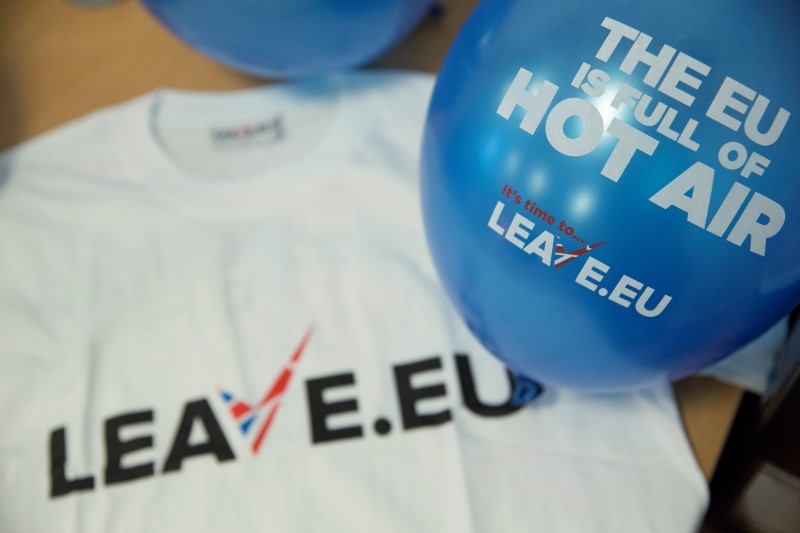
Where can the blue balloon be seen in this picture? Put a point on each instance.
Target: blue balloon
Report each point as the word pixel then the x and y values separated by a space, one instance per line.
pixel 610 187
pixel 289 38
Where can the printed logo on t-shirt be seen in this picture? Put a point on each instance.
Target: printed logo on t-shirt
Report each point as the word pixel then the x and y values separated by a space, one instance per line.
pixel 327 397
pixel 264 131
pixel 246 415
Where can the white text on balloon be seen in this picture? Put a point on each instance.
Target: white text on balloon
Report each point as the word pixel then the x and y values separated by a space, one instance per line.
pixel 519 233
pixel 630 140
pixel 676 76
pixel 690 191
pixel 699 181
pixel 624 293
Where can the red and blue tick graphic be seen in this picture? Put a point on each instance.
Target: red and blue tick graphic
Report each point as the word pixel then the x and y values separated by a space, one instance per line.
pixel 562 257
pixel 245 414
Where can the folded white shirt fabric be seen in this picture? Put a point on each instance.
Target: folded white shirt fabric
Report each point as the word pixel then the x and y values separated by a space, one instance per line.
pixel 752 366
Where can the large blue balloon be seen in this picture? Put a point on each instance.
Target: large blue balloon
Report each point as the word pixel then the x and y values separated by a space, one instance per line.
pixel 288 38
pixel 610 187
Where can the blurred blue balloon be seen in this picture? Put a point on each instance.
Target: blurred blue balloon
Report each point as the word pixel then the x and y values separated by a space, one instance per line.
pixel 610 187
pixel 288 38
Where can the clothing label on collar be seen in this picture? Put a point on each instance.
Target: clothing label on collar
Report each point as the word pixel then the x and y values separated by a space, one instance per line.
pixel 254 133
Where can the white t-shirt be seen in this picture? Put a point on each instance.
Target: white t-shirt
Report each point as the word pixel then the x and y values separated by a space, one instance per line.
pixel 218 313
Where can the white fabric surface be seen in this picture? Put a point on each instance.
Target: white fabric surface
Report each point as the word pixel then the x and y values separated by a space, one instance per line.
pixel 752 366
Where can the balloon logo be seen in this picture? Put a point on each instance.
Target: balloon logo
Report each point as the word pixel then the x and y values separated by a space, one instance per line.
pixel 288 38
pixel 610 187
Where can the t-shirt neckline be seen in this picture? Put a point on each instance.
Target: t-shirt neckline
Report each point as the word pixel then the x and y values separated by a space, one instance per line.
pixel 141 153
